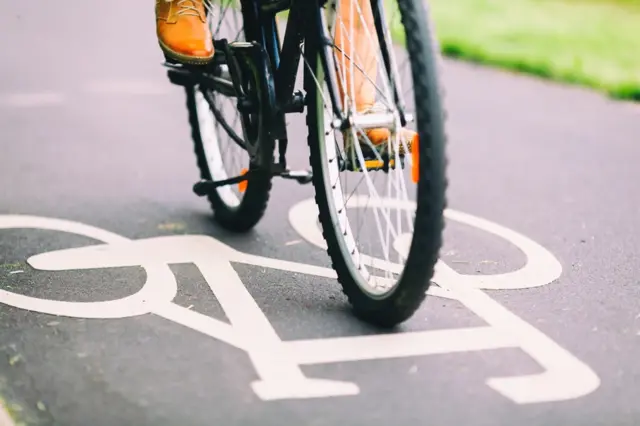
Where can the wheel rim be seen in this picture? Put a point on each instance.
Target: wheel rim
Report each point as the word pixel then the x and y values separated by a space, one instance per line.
pixel 342 199
pixel 212 151
pixel 225 21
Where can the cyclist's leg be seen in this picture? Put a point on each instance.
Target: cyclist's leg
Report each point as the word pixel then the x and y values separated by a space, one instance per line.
pixel 350 26
pixel 359 79
pixel 183 33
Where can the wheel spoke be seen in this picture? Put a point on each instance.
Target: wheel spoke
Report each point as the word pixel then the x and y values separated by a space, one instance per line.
pixel 370 255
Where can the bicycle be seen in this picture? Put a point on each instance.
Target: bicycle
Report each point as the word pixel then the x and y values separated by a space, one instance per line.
pixel 257 72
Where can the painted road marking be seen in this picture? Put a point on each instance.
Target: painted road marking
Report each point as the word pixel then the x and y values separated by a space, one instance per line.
pixel 565 376
pixel 541 268
pixel 278 363
pixel 47 98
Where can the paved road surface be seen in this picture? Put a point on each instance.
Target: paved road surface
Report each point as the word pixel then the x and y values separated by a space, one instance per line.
pixel 91 132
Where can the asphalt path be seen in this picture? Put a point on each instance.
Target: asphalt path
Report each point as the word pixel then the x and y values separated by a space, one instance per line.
pixel 91 132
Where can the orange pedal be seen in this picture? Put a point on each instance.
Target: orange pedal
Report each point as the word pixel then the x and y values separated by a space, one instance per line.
pixel 242 186
pixel 415 157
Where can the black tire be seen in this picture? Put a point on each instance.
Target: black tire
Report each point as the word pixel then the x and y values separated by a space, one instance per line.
pixel 401 302
pixel 247 214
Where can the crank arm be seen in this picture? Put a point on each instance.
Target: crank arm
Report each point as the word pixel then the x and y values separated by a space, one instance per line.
pixel 206 187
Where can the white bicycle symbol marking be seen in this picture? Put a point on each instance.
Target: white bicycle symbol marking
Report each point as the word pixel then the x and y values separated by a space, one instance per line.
pixel 278 362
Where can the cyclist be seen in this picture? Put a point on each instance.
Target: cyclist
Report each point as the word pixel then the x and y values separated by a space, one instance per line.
pixel 185 37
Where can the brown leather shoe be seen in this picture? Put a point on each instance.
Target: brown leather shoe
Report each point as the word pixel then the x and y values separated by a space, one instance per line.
pixel 183 32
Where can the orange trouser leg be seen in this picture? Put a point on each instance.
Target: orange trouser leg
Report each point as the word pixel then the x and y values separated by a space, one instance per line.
pixel 357 57
pixel 357 50
pixel 356 53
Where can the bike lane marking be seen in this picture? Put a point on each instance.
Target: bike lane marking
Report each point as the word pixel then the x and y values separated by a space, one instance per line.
pixel 165 286
pixel 277 362
pixel 566 377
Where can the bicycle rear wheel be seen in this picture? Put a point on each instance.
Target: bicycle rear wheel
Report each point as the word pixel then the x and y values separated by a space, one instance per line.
pixel 385 285
pixel 219 131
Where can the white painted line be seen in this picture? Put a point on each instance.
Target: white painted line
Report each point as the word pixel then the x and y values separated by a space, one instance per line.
pixel 541 267
pixel 32 100
pixel 565 376
pixel 284 265
pixel 202 323
pixel 108 87
pixel 280 375
pixel 401 345
pixel 160 286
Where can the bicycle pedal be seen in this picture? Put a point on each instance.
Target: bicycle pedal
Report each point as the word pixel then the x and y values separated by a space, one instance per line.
pixel 182 74
pixel 179 76
pixel 301 176
pixel 373 164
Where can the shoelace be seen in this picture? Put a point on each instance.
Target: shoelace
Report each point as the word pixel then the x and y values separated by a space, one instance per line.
pixel 190 8
pixel 187 8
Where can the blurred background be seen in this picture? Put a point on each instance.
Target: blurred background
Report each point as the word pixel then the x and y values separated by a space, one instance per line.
pixel 595 43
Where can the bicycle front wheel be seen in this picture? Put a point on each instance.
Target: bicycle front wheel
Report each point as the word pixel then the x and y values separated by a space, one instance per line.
pixel 383 231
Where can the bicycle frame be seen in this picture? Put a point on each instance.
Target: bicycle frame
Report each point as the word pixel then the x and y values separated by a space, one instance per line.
pixel 259 16
pixel 260 26
pixel 277 70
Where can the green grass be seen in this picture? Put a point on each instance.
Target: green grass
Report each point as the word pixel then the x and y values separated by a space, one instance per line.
pixel 594 43
pixel 12 411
